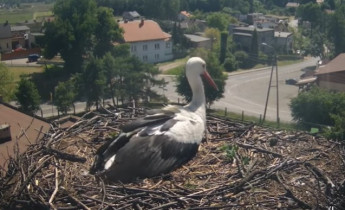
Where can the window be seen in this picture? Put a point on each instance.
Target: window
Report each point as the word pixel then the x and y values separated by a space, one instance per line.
pixel 133 48
pixel 167 45
pixel 145 47
pixel 145 58
pixel 157 46
pixel 157 56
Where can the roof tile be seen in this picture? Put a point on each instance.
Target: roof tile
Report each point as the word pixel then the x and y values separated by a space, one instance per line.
pixel 142 30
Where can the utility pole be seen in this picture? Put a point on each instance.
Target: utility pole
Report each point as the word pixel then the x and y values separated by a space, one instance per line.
pixel 274 67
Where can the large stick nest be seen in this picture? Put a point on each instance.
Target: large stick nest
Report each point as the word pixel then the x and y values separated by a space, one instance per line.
pixel 240 165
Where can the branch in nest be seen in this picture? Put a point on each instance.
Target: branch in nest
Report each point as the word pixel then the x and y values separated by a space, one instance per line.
pixel 65 156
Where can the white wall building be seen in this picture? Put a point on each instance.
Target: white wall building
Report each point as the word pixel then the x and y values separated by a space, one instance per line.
pixel 147 40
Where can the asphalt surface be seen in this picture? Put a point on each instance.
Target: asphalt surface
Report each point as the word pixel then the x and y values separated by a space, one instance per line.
pixel 247 91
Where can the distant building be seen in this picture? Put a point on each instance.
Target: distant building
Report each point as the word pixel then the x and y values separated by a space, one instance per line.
pixel 243 36
pixel 147 40
pixel 332 75
pixel 199 41
pixel 283 42
pixel 183 15
pixel 132 15
pixel 5 38
pixel 292 5
pixel 21 37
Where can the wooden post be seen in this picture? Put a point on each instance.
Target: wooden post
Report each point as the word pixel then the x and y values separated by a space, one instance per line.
pixel 242 115
pixel 225 112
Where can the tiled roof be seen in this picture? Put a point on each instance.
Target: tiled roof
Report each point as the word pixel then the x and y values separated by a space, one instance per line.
pixel 19 122
pixel 335 65
pixel 142 30
pixel 185 13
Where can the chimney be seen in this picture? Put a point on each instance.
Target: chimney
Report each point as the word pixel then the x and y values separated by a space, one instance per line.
pixel 5 133
pixel 142 22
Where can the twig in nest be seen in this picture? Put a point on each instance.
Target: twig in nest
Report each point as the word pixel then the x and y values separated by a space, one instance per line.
pixel 56 187
pixel 247 146
pixel 65 156
pixel 289 193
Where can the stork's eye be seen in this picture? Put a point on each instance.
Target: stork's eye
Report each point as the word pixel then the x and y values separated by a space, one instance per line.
pixel 203 65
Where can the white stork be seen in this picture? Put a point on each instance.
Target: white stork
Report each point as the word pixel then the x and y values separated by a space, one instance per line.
pixel 161 141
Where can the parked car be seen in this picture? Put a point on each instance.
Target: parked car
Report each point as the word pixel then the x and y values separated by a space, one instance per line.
pixel 33 58
pixel 290 81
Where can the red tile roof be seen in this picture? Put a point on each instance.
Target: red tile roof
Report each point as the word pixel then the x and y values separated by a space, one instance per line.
pixel 335 65
pixel 185 13
pixel 142 30
pixel 18 122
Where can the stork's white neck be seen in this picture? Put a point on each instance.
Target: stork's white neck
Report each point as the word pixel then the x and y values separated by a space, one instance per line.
pixel 198 103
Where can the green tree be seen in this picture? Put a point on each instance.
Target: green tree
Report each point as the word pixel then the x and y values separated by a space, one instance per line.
pixel 27 96
pixel 71 31
pixel 337 30
pixel 93 82
pixel 65 94
pixel 223 46
pixel 7 85
pixel 215 70
pixel 106 32
pixel 254 49
pixel 317 106
pixel 218 20
pixel 310 12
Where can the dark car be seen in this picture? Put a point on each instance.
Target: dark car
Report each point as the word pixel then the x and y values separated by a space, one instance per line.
pixel 290 81
pixel 33 57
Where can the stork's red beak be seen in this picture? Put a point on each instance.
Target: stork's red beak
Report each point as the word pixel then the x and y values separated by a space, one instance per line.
pixel 209 79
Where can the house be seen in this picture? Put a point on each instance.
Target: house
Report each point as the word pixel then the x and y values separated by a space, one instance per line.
pixel 292 5
pixel 183 15
pixel 17 132
pixel 132 15
pixel 5 38
pixel 243 36
pixel 21 37
pixel 199 41
pixel 283 42
pixel 332 75
pixel 147 40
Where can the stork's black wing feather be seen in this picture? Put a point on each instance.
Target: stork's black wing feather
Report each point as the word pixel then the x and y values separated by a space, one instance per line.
pixel 152 119
pixel 110 148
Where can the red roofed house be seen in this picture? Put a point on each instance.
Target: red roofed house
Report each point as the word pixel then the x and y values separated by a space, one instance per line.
pixel 183 15
pixel 17 132
pixel 147 40
pixel 332 75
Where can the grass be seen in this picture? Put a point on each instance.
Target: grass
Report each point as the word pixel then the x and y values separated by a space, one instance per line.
pixel 256 120
pixel 174 71
pixel 25 12
pixel 17 71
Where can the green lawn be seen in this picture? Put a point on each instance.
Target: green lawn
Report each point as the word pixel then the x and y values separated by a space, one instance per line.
pixel 17 71
pixel 25 12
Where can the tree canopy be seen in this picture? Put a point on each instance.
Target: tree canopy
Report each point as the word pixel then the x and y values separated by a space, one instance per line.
pixel 79 29
pixel 27 96
pixel 7 85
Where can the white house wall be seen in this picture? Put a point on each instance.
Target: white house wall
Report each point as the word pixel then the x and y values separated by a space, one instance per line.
pixel 5 45
pixel 152 51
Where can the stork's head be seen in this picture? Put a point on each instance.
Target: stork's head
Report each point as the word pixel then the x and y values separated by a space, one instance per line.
pixel 196 66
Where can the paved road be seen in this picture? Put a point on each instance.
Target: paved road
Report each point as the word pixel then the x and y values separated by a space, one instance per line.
pixel 247 91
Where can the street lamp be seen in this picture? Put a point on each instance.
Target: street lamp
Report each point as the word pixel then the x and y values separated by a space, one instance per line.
pixel 274 66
